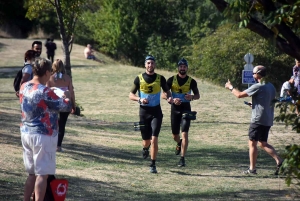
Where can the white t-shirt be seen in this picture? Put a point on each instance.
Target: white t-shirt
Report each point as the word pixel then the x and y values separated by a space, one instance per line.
pixel 285 87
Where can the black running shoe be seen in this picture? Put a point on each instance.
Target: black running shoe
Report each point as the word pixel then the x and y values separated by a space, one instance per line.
pixel 181 162
pixel 145 152
pixel 278 168
pixel 153 169
pixel 178 148
pixel 250 171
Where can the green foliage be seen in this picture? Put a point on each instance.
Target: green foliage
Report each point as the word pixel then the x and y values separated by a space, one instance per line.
pixel 67 12
pixel 288 115
pixel 291 165
pixel 220 56
pixel 130 29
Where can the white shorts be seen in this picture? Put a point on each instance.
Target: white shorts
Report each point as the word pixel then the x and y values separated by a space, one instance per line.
pixel 39 153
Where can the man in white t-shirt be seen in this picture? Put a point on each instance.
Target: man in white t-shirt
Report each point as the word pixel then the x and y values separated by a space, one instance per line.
pixel 286 87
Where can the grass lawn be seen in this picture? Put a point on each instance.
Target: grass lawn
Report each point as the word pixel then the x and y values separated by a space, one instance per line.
pixel 102 157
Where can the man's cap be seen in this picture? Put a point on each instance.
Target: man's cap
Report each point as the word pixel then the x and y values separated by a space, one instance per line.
pixel 261 70
pixel 183 61
pixel 149 57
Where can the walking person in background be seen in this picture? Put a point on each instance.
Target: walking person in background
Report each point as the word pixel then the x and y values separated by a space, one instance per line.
pixel 37 47
pixel 40 107
pixel 263 93
pixel 149 86
pixel 181 86
pixel 61 80
pixel 51 47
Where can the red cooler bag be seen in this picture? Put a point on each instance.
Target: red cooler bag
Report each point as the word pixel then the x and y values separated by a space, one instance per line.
pixel 59 189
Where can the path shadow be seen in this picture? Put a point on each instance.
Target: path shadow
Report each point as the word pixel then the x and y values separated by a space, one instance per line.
pixel 83 189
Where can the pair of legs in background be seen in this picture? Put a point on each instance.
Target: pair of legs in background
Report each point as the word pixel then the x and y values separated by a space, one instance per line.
pixel 50 57
pixel 62 120
pixel 258 134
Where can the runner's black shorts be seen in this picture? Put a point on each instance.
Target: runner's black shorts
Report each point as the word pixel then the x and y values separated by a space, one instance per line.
pixel 151 117
pixel 176 118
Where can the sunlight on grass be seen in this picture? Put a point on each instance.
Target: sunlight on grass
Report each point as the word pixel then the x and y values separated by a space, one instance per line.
pixel 102 157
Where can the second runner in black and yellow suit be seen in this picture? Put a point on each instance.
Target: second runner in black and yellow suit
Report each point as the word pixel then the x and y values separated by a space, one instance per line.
pixel 179 87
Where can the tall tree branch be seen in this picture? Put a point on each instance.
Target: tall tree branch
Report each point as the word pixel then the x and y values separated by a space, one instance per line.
pixel 289 43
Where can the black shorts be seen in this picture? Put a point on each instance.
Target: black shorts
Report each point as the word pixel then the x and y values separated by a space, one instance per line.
pixel 151 118
pixel 259 132
pixel 176 118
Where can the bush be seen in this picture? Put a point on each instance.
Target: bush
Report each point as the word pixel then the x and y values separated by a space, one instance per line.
pixel 220 56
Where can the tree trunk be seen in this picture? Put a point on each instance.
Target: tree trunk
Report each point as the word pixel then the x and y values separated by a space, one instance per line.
pixel 64 38
pixel 66 60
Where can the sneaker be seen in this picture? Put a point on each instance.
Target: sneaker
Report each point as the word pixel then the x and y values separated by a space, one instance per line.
pixel 59 149
pixel 145 152
pixel 153 169
pixel 278 168
pixel 181 162
pixel 250 171
pixel 178 148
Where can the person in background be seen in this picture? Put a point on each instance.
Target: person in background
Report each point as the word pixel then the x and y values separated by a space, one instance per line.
pixel 40 107
pixel 149 86
pixel 27 74
pixel 286 89
pixel 89 53
pixel 181 86
pixel 51 47
pixel 263 93
pixel 61 80
pixel 37 47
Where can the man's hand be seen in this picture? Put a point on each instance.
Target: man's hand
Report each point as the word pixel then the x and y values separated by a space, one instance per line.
pixel 177 101
pixel 228 84
pixel 188 97
pixel 143 101
pixel 170 100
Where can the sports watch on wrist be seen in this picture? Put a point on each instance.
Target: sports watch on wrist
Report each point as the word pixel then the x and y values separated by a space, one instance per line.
pixel 231 88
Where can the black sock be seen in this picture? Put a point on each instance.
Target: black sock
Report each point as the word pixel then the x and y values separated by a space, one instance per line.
pixel 182 157
pixel 152 163
pixel 179 143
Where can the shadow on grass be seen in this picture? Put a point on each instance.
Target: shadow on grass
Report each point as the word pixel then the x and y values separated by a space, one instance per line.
pixel 219 158
pixel 124 127
pixel 11 71
pixel 89 190
pixel 93 190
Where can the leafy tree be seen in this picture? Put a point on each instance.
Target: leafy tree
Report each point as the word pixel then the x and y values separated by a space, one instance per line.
pixel 277 21
pixel 67 12
pixel 219 57
pixel 129 29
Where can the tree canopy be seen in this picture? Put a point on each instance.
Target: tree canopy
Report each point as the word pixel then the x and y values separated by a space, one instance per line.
pixel 276 20
pixel 67 12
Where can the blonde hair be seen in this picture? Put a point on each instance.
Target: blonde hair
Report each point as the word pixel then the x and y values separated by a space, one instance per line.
pixel 58 67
